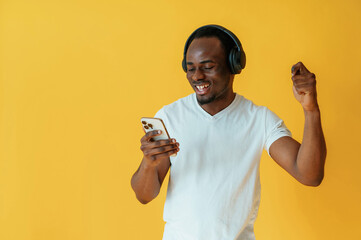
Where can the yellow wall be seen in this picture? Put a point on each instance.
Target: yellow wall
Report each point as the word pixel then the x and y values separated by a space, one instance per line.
pixel 77 76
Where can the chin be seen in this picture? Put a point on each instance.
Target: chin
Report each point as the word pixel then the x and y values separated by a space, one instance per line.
pixel 205 100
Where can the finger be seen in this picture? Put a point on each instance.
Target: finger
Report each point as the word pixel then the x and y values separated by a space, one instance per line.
pixel 147 146
pixel 155 157
pixel 161 143
pixel 295 69
pixel 162 149
pixel 306 87
pixel 301 79
pixel 298 77
pixel 309 77
pixel 150 134
pixel 298 81
pixel 299 68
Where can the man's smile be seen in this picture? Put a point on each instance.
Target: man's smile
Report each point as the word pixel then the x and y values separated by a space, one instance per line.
pixel 202 88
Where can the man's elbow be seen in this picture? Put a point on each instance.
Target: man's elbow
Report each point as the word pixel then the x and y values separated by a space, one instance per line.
pixel 145 197
pixel 314 182
pixel 144 200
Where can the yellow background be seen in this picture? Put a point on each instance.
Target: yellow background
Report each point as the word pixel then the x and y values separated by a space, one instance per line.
pixel 77 76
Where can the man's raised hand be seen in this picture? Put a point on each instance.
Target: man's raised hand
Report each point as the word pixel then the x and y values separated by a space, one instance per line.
pixel 304 87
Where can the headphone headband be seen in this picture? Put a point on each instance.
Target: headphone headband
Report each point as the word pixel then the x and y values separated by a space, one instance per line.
pixel 236 57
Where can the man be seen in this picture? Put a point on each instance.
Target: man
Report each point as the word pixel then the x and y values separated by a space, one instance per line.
pixel 219 136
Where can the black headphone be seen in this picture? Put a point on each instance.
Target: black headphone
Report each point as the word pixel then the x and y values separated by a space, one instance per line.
pixel 236 57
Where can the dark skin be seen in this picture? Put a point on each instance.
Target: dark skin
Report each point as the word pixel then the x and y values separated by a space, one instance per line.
pixel 306 161
pixel 206 65
pixel 147 180
pixel 210 78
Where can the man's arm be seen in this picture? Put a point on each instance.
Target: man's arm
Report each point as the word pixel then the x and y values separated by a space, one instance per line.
pixel 148 179
pixel 305 161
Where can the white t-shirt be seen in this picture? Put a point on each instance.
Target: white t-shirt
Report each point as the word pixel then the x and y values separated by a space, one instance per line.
pixel 214 185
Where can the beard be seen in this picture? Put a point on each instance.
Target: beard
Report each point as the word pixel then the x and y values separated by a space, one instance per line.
pixel 201 101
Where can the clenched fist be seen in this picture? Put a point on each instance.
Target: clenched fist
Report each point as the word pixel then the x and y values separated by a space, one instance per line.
pixel 304 87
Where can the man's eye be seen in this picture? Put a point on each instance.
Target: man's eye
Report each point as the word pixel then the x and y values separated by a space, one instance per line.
pixel 208 68
pixel 190 69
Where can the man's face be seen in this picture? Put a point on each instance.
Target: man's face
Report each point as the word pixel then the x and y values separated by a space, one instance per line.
pixel 207 71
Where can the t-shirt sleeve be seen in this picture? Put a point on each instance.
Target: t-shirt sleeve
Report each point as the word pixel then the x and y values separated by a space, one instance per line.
pixel 160 114
pixel 275 129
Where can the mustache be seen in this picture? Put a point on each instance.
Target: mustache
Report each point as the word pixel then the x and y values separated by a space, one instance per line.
pixel 197 83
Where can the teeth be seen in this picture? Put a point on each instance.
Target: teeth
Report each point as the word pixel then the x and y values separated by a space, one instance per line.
pixel 201 87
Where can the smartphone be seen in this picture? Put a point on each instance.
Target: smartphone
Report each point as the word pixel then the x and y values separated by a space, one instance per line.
pixel 152 124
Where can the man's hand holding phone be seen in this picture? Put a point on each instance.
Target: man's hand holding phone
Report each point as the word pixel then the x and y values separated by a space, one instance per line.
pixel 157 148
pixel 157 151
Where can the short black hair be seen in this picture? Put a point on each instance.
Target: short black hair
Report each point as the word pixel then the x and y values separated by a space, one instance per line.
pixel 226 41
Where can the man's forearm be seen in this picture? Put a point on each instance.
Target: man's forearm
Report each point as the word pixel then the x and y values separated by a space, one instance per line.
pixel 312 153
pixel 145 183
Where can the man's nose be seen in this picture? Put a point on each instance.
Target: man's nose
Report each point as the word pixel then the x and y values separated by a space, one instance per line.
pixel 198 75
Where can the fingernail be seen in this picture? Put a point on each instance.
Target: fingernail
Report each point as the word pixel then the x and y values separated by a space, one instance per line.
pixel 173 140
pixel 159 131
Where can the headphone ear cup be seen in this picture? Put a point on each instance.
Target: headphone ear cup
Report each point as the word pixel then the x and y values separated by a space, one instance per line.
pixel 184 65
pixel 242 59
pixel 235 61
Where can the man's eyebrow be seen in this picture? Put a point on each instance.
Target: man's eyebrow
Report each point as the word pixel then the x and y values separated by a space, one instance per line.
pixel 207 61
pixel 202 62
